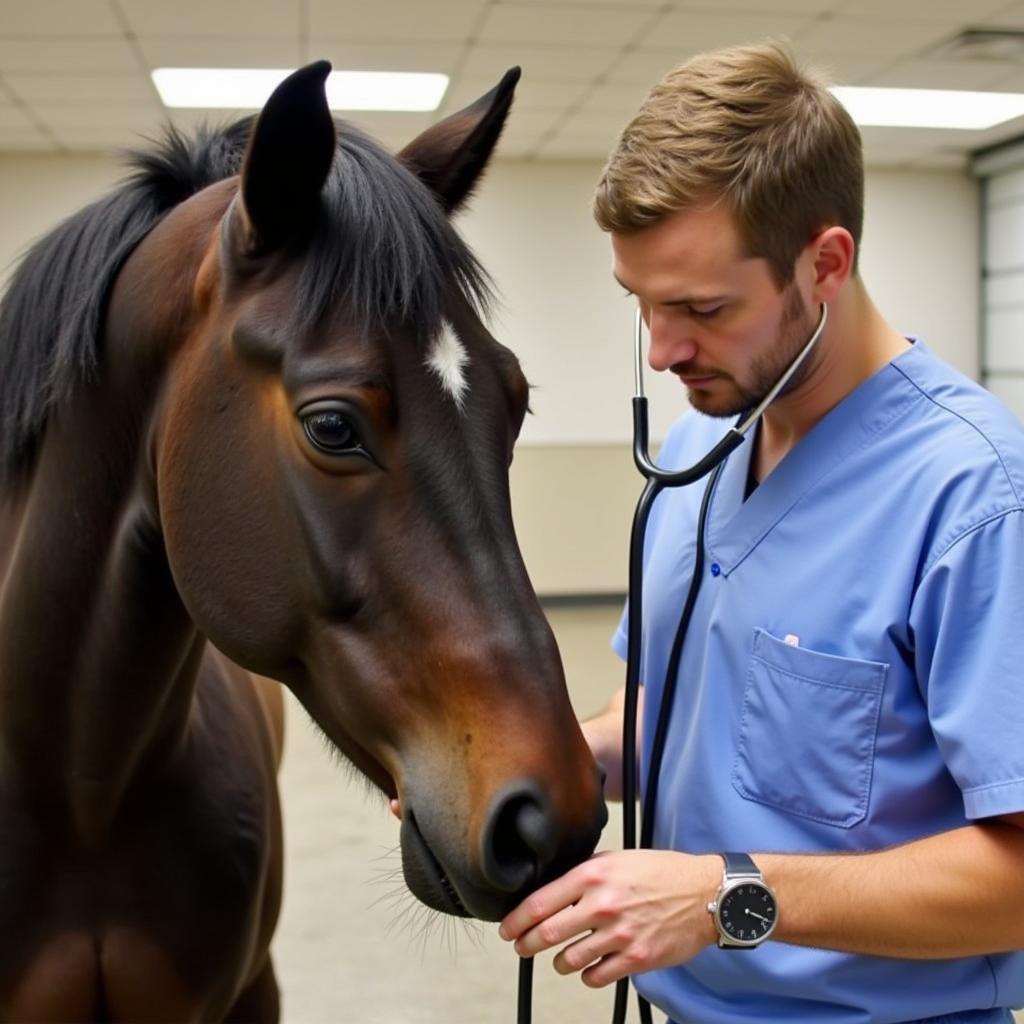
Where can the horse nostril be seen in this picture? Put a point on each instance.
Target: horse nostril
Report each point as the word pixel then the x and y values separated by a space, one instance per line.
pixel 518 840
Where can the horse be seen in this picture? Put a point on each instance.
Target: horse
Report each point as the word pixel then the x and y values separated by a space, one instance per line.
pixel 254 433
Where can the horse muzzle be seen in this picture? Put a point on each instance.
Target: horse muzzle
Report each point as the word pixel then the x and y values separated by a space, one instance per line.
pixel 522 845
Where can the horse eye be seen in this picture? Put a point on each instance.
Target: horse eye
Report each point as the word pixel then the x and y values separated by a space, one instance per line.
pixel 331 432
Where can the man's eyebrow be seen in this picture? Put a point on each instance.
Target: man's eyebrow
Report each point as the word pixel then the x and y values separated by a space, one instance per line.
pixel 689 300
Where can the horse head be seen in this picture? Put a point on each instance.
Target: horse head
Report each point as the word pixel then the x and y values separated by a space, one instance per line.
pixel 331 465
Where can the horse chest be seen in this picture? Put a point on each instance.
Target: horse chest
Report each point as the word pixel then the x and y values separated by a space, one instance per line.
pixel 160 922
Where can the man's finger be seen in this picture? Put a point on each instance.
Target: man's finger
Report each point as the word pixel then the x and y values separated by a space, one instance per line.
pixel 606 970
pixel 583 952
pixel 553 931
pixel 542 904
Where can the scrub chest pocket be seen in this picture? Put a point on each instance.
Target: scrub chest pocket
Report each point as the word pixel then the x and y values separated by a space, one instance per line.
pixel 806 741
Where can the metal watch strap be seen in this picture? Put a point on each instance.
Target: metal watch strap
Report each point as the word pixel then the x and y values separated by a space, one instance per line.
pixel 740 864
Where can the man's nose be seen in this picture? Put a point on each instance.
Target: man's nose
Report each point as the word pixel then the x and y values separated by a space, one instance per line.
pixel 671 341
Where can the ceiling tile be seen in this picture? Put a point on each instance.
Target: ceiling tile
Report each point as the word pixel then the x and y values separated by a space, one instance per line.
pixel 644 67
pixel 924 10
pixel 624 99
pixel 874 37
pixel 74 17
pixel 574 148
pixel 605 125
pixel 18 141
pixel 693 31
pixel 410 20
pixel 805 7
pixel 141 116
pixel 100 139
pixel 563 64
pixel 536 122
pixel 1013 82
pixel 516 149
pixel 222 18
pixel 190 121
pixel 843 68
pixel 1009 17
pixel 386 56
pixel 62 54
pixel 517 136
pixel 390 128
pixel 599 26
pixel 203 52
pixel 80 90
pixel 637 6
pixel 532 93
pixel 580 85
pixel 942 74
pixel 15 118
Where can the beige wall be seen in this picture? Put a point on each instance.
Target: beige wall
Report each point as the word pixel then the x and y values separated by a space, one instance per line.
pixel 574 484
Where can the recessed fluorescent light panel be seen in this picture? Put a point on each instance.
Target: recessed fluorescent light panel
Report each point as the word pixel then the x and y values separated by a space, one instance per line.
pixel 249 88
pixel 929 108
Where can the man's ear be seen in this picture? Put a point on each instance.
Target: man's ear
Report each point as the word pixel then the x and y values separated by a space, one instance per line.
pixel 450 156
pixel 834 253
pixel 286 163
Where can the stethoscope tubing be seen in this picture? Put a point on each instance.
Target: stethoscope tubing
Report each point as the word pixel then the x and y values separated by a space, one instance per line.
pixel 656 480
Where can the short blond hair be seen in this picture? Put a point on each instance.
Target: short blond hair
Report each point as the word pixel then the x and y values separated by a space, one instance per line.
pixel 748 126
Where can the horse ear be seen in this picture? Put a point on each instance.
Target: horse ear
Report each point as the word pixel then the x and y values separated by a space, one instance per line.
pixel 287 160
pixel 450 156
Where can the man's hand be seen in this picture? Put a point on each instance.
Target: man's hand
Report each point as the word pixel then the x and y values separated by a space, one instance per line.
pixel 628 912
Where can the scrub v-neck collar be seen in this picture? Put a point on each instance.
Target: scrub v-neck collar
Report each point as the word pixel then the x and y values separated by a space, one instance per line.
pixel 736 527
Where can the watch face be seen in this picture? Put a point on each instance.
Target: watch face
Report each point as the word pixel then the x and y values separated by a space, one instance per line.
pixel 747 912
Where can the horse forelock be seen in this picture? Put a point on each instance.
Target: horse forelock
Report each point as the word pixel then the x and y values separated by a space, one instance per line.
pixel 382 249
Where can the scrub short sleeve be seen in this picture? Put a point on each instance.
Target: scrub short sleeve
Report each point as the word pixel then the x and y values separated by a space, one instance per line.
pixel 968 626
pixel 620 639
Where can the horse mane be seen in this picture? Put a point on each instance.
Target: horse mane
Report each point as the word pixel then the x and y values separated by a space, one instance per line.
pixel 382 245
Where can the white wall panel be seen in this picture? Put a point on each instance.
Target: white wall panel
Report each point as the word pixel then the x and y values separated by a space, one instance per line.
pixel 1004 237
pixel 1009 390
pixel 1005 187
pixel 1006 289
pixel 1003 273
pixel 1004 342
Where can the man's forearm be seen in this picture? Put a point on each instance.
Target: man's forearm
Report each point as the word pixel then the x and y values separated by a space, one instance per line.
pixel 960 893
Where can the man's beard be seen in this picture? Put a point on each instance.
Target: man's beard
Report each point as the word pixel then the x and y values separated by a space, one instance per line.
pixel 795 330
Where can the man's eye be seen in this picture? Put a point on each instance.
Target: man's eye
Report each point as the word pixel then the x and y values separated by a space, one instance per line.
pixel 705 313
pixel 331 432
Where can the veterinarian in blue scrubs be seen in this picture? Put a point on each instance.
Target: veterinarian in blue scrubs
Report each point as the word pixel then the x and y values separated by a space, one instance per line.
pixel 849 721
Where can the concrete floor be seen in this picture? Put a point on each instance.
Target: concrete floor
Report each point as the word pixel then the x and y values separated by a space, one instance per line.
pixel 349 949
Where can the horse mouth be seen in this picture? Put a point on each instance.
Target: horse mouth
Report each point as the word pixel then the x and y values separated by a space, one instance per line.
pixel 424 875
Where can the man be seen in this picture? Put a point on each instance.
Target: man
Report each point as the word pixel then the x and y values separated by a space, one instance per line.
pixel 850 704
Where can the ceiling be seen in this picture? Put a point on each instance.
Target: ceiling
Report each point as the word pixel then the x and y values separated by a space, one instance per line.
pixel 74 73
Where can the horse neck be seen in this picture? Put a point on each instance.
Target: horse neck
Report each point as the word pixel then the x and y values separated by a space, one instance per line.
pixel 98 656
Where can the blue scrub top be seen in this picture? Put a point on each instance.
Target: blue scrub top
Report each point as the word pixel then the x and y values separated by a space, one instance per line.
pixel 852 676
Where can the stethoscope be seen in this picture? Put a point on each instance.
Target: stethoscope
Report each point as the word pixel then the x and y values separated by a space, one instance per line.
pixel 657 479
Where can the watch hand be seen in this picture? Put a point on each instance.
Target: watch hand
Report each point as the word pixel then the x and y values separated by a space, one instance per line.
pixel 758 916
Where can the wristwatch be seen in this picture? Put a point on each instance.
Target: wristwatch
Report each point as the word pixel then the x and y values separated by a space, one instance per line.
pixel 744 908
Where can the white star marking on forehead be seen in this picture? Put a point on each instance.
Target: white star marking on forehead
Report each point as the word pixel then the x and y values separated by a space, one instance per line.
pixel 448 359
